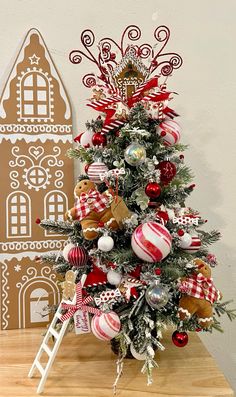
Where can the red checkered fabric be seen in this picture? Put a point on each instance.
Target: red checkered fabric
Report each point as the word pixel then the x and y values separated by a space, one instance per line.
pixel 91 201
pixel 200 287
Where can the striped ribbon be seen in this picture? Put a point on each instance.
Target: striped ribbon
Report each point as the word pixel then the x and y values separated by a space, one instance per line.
pixel 81 304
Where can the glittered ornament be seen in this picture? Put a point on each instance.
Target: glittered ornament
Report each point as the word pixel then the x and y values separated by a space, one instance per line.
pixel 151 242
pixel 95 170
pixel 135 154
pixel 169 130
pixel 66 250
pixel 105 326
pixel 78 256
pixel 180 339
pixel 99 139
pixel 105 243
pixel 157 295
pixel 153 190
pixel 113 277
pixel 86 139
pixel 167 171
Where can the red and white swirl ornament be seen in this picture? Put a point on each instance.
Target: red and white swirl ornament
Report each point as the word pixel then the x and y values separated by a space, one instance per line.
pixel 169 130
pixel 151 242
pixel 194 246
pixel 95 170
pixel 106 325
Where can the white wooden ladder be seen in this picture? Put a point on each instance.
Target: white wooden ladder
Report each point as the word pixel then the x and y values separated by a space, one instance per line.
pixel 51 332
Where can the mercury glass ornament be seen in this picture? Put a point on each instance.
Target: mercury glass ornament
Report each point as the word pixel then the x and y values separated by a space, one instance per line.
pixel 157 295
pixel 135 154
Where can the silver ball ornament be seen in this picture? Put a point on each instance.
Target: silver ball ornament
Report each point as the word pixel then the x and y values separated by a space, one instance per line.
pixel 135 154
pixel 157 295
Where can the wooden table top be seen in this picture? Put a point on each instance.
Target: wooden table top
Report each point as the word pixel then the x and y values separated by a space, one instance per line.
pixel 86 367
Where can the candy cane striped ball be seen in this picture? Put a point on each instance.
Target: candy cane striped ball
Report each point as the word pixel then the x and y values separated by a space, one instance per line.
pixel 106 325
pixel 151 242
pixel 78 256
pixel 94 171
pixel 169 130
pixel 194 246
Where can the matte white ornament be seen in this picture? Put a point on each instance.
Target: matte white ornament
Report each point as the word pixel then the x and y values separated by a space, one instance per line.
pixel 66 250
pixel 113 277
pixel 105 243
pixel 185 240
pixel 137 355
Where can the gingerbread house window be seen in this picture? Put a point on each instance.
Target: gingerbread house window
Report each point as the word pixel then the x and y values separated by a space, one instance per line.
pixel 18 215
pixel 35 96
pixel 55 206
pixel 38 301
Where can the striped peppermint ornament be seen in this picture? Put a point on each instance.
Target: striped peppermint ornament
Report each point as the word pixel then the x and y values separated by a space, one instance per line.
pixel 194 246
pixel 151 242
pixel 106 325
pixel 78 256
pixel 169 130
pixel 95 170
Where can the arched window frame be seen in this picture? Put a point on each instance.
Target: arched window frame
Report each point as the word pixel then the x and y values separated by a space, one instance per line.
pixel 35 97
pixel 18 215
pixel 56 213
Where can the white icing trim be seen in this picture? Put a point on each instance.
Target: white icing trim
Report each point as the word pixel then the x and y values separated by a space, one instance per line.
pixel 204 320
pixel 4 295
pixel 34 138
pixel 185 311
pixel 22 255
pixel 29 245
pixel 36 128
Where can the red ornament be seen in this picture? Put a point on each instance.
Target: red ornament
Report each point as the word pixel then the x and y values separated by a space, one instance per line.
pixel 168 171
pixel 158 271
pixel 99 139
pixel 181 232
pixel 153 190
pixel 180 339
pixel 78 256
pixel 162 216
pixel 38 221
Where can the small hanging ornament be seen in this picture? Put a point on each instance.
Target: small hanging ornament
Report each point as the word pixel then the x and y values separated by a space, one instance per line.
pixel 95 170
pixel 105 243
pixel 153 190
pixel 78 256
pixel 185 239
pixel 194 245
pixel 113 277
pixel 180 339
pixel 167 171
pixel 162 217
pixel 66 250
pixel 136 355
pixel 169 130
pixel 135 154
pixel 157 295
pixel 99 139
pixel 106 325
pixel 151 242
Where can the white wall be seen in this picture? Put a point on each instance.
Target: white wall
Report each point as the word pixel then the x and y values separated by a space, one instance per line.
pixel 203 32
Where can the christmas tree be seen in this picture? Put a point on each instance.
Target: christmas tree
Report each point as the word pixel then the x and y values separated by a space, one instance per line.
pixel 145 253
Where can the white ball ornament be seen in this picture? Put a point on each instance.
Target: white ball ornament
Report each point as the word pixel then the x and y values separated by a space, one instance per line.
pixel 105 243
pixel 105 326
pixel 66 250
pixel 151 242
pixel 185 240
pixel 113 277
pixel 137 355
pixel 86 138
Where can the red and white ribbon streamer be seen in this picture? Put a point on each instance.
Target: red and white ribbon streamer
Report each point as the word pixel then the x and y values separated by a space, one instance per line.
pixel 81 304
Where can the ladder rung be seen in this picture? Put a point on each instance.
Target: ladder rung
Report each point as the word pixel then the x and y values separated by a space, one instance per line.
pixel 54 332
pixel 47 349
pixel 40 368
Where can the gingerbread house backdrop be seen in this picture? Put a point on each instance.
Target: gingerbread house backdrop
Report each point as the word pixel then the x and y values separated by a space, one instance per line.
pixel 36 181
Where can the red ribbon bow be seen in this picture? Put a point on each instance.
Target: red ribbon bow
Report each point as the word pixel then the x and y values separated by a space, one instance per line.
pixel 81 304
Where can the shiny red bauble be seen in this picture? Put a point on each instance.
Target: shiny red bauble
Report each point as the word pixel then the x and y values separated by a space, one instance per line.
pixel 153 190
pixel 162 216
pixel 167 170
pixel 180 339
pixel 78 256
pixel 99 139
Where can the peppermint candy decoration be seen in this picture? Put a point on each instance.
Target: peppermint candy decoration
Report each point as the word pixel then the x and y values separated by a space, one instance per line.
pixel 151 242
pixel 169 130
pixel 106 325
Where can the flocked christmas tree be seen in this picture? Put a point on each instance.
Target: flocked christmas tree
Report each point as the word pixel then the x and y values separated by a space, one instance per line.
pixel 144 252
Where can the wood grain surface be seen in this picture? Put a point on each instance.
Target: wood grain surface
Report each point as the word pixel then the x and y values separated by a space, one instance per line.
pixel 85 367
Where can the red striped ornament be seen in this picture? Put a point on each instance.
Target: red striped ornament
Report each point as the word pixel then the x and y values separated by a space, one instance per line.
pixel 151 242
pixel 169 130
pixel 78 256
pixel 106 325
pixel 194 246
pixel 95 170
